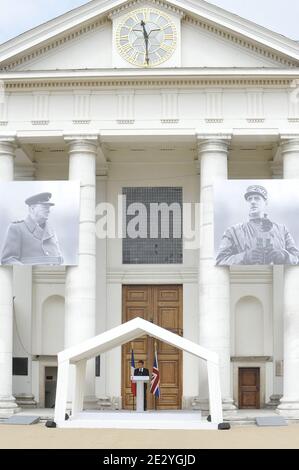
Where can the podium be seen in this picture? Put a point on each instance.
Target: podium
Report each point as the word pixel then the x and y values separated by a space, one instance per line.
pixel 140 380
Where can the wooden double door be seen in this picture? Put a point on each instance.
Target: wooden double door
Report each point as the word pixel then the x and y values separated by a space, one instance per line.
pixel 163 306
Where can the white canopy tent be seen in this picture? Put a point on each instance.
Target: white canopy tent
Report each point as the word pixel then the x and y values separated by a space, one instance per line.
pixel 78 355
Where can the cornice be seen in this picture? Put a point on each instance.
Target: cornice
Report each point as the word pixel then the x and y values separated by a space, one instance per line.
pixel 240 26
pixel 242 42
pixel 108 84
pixel 162 78
pixel 251 275
pixel 190 73
pixel 201 10
pixel 139 3
pixel 87 27
pixel 54 44
pixel 150 276
pixel 184 275
pixel 48 275
pixel 251 359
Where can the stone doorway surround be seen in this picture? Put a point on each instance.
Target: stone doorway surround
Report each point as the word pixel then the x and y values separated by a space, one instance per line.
pixel 44 361
pixel 250 361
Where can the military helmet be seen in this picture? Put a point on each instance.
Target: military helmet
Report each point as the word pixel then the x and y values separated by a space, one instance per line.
pixel 256 189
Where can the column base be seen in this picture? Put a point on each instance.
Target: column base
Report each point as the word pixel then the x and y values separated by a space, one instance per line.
pixel 274 402
pixel 25 400
pixel 8 407
pixel 202 404
pixel 104 403
pixel 289 408
pixel 90 403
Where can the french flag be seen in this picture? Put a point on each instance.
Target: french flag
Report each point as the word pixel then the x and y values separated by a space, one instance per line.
pixel 133 384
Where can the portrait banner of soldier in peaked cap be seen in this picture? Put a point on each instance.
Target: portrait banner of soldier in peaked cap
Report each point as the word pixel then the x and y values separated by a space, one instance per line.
pixel 40 225
pixel 255 222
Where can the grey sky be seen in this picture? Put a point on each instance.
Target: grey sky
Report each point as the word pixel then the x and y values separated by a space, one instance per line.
pixel 18 16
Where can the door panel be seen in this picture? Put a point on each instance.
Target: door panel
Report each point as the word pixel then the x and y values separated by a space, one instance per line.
pixel 161 305
pixel 249 388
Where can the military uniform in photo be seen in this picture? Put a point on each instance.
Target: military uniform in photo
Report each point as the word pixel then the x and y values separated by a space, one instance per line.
pixel 29 243
pixel 272 241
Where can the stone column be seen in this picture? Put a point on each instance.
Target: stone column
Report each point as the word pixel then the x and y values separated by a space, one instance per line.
pixel 289 404
pixel 214 282
pixel 80 291
pixel 8 404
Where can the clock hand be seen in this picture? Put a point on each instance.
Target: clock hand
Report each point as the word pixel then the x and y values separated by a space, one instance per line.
pixel 146 36
pixel 153 30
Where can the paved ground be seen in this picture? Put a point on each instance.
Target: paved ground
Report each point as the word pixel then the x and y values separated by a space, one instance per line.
pixel 248 437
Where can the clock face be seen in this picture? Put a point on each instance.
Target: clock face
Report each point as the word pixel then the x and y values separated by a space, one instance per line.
pixel 146 37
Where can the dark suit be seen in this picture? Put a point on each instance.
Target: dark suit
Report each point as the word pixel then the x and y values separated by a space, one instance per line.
pixel 143 372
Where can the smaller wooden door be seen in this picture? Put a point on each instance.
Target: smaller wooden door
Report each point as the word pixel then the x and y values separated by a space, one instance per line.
pixel 249 388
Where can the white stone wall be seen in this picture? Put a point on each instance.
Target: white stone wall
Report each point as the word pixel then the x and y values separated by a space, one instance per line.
pixel 252 289
pixel 109 287
pixel 22 341
pixel 151 174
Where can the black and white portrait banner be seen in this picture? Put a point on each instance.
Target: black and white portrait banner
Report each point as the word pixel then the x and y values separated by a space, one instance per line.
pixel 39 223
pixel 256 222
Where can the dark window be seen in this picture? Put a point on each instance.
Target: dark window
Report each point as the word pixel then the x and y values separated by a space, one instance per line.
pixel 98 366
pixel 20 366
pixel 159 234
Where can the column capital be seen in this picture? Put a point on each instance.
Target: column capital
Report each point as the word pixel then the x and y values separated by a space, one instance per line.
pixel 8 146
pixel 213 139
pixel 83 145
pixel 287 137
pixel 213 144
pixel 289 143
pixel 221 136
pixel 8 141
pixel 93 139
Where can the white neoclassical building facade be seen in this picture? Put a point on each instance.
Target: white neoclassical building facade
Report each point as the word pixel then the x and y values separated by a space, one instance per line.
pixel 152 99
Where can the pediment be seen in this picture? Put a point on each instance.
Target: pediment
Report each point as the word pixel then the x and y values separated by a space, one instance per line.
pixel 209 37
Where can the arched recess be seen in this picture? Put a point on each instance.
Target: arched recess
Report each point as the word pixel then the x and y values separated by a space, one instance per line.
pixel 53 325
pixel 249 327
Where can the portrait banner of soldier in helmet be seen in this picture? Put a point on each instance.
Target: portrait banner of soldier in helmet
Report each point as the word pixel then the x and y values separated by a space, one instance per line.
pixel 39 223
pixel 256 222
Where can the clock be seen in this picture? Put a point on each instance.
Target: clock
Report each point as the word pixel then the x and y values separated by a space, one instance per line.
pixel 146 37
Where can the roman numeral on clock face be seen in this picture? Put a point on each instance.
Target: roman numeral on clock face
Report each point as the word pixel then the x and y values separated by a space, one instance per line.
pixel 126 48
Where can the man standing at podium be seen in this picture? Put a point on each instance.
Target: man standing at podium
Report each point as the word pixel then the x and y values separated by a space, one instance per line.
pixel 141 370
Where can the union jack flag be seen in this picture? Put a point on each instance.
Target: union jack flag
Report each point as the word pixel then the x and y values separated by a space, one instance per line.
pixel 155 379
pixel 133 384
